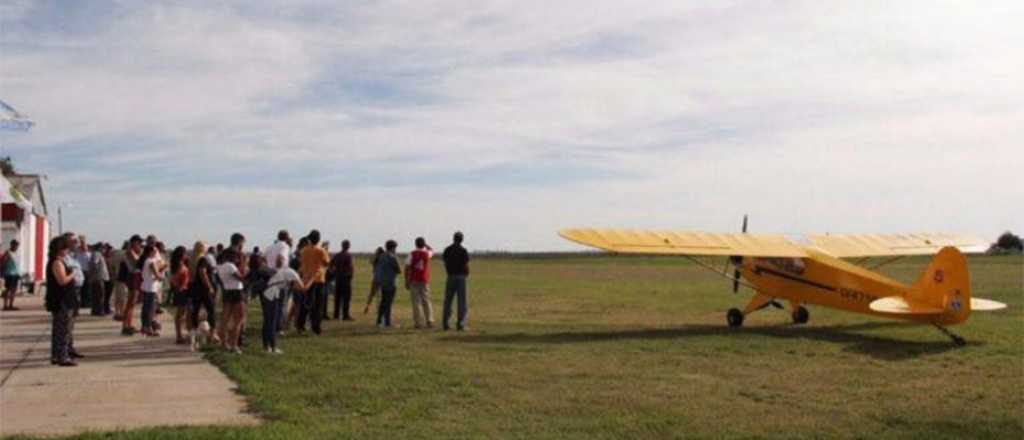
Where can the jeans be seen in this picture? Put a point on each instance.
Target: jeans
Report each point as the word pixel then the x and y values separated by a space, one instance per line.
pixel 282 310
pixel 271 316
pixel 318 303
pixel 342 297
pixel 304 301
pixel 387 298
pixel 148 303
pixel 455 286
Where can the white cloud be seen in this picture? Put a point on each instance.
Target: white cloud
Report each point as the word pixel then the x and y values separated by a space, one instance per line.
pixel 813 116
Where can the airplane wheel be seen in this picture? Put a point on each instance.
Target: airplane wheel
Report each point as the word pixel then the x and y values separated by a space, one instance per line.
pixel 734 317
pixel 801 315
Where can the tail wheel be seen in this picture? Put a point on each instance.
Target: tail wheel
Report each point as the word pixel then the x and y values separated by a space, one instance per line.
pixel 801 315
pixel 734 317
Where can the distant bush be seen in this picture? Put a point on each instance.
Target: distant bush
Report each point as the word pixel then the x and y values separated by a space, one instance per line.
pixel 1008 243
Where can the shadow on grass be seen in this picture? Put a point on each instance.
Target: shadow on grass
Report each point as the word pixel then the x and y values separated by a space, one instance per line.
pixel 878 347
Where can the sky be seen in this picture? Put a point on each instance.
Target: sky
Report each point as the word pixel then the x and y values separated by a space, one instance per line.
pixel 509 120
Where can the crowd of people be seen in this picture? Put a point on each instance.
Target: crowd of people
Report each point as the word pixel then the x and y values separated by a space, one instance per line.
pixel 293 283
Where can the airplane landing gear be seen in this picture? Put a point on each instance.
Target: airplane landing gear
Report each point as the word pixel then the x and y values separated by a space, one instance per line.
pixel 959 341
pixel 734 317
pixel 801 315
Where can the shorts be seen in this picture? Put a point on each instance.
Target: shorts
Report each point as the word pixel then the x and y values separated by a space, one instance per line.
pixel 11 282
pixel 135 284
pixel 232 296
pixel 120 292
pixel 180 298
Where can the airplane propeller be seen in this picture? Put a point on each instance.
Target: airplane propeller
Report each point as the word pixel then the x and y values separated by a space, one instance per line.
pixel 736 261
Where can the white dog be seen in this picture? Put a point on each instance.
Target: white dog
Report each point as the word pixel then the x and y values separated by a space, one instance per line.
pixel 200 335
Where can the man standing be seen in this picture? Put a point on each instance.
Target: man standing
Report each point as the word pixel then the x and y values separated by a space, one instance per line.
pixel 417 280
pixel 82 255
pixel 456 264
pixel 343 273
pixel 12 275
pixel 281 248
pixel 313 267
pixel 71 262
pixel 97 275
pixel 119 273
pixel 385 270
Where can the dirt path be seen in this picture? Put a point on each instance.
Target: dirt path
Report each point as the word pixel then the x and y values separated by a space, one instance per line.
pixel 123 383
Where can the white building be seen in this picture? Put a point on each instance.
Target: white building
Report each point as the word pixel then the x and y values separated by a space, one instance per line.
pixel 25 219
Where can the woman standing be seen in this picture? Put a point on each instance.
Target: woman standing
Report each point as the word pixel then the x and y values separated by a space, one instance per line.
pixel 131 270
pixel 60 302
pixel 152 281
pixel 281 281
pixel 179 291
pixel 232 271
pixel 202 289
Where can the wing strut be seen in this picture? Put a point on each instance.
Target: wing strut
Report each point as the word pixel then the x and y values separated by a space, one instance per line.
pixel 721 273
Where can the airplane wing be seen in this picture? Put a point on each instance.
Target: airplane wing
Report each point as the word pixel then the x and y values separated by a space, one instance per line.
pixel 881 245
pixel 633 241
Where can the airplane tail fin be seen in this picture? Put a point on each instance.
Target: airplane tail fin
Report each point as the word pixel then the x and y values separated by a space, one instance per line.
pixel 942 295
pixel 945 285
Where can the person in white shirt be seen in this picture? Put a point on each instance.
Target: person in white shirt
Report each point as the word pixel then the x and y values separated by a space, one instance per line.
pixel 152 282
pixel 281 248
pixel 232 274
pixel 283 281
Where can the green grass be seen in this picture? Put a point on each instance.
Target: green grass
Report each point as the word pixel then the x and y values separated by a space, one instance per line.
pixel 606 347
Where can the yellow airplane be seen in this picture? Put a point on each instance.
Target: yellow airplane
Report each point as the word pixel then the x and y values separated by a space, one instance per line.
pixel 811 270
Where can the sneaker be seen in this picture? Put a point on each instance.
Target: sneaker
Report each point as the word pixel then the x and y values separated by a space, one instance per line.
pixel 236 350
pixel 277 351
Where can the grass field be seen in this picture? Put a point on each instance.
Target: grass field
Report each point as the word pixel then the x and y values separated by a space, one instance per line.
pixel 607 347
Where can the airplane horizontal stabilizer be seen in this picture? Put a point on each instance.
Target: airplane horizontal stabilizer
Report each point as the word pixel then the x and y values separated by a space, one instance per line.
pixel 899 305
pixel 985 305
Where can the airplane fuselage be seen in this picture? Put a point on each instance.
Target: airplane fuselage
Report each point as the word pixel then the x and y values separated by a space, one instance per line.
pixel 820 280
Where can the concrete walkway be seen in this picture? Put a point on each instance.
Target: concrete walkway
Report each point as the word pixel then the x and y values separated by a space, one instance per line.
pixel 122 383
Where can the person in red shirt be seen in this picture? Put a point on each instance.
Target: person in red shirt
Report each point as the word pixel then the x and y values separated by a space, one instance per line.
pixel 417 280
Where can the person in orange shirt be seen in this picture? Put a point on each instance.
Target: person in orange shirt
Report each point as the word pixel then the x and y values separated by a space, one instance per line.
pixel 313 266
